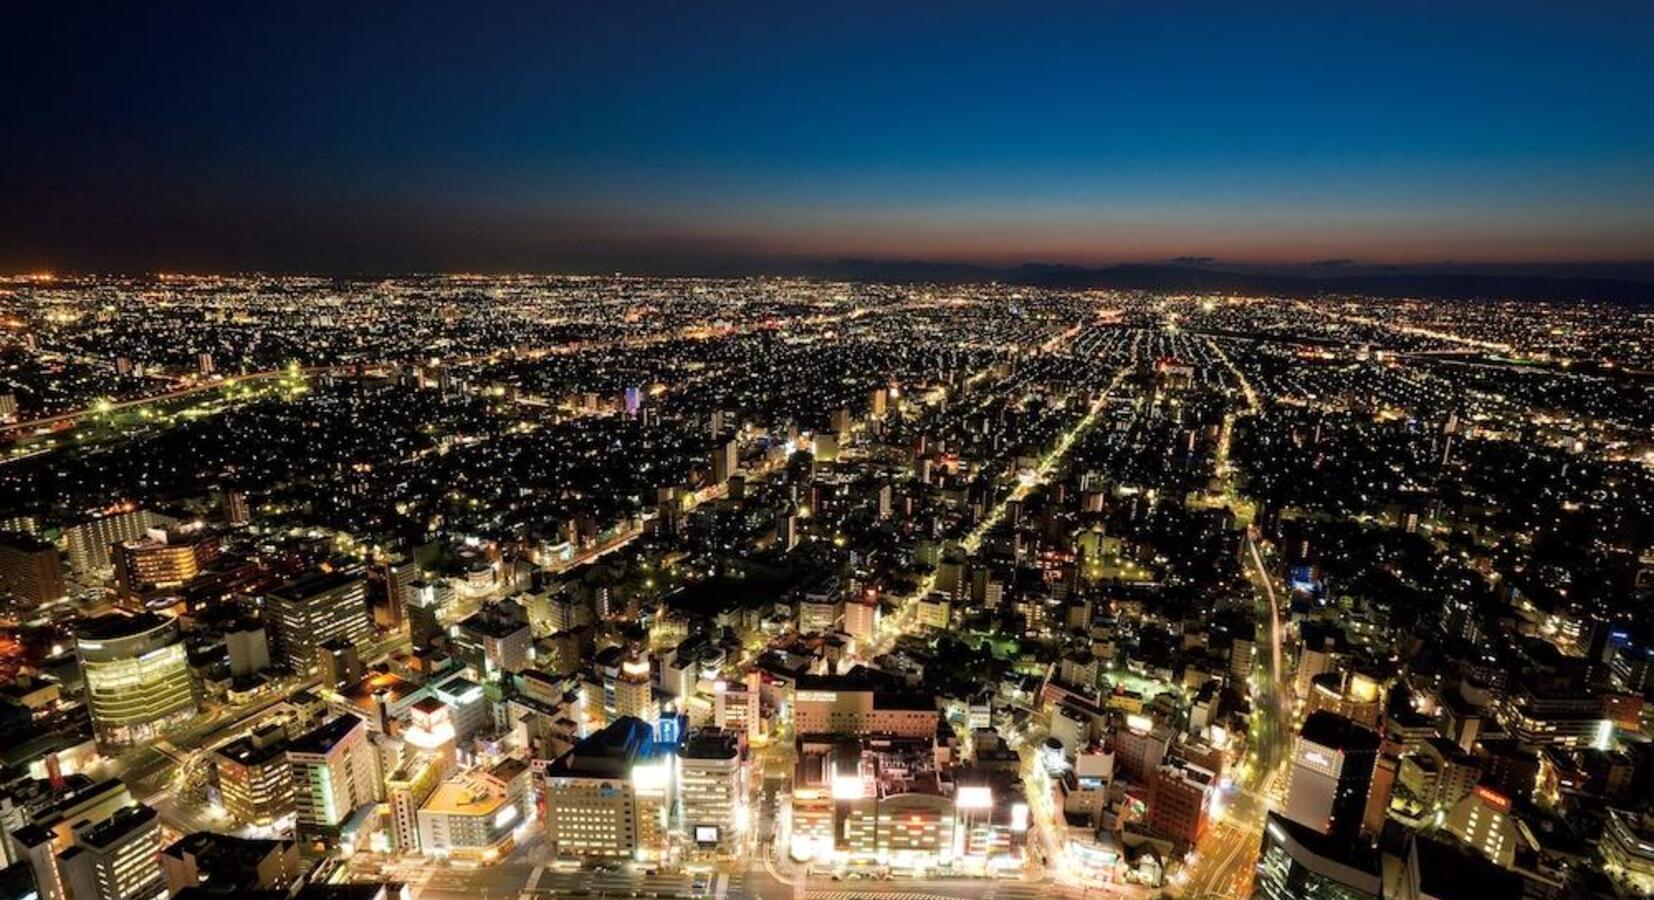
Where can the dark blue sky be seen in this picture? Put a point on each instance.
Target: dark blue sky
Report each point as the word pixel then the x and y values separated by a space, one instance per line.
pixel 655 135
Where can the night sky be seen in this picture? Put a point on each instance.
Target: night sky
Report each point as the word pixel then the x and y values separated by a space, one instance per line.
pixel 685 136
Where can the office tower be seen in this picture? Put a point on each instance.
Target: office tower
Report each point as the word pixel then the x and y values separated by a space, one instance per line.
pixel 495 641
pixel 203 363
pixel 248 648
pixel 713 789
pixel 116 859
pixel 634 689
pixel 736 706
pixel 1296 861
pixel 88 542
pixel 30 570
pixel 876 400
pixel 339 663
pixel 1180 800
pixel 1481 820
pixel 844 705
pixel 426 600
pixel 236 511
pixel 335 772
pixel 222 864
pixel 726 461
pixel 137 677
pixel 591 792
pixel 1332 769
pixel 254 777
pixel 821 608
pixel 474 816
pixel 407 789
pixel 8 407
pixel 163 558
pixel 37 849
pixel 400 575
pixel 306 613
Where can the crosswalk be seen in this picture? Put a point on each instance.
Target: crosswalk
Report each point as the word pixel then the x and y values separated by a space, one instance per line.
pixel 544 883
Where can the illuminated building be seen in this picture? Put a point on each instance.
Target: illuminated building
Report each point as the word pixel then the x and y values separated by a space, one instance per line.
pixel 821 609
pixel 473 816
pixel 841 705
pixel 1628 848
pixel 254 778
pixel 1332 769
pixel 30 570
pixel 1297 862
pixel 335 772
pixel 634 692
pixel 138 681
pixel 1482 820
pixel 1542 719
pixel 426 601
pixel 306 613
pixel 116 859
pixel 430 731
pixel 163 558
pixel 406 790
pixel 590 792
pixel 495 641
pixel 735 705
pixel 1354 696
pixel 89 542
pixel 713 790
pixel 467 704
pixel 222 863
pixel 1180 801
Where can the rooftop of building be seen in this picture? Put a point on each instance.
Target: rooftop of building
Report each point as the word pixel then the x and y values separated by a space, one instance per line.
pixel 309 585
pixel 115 828
pixel 609 753
pixel 1337 732
pixel 324 738
pixel 467 795
pixel 223 853
pixel 120 625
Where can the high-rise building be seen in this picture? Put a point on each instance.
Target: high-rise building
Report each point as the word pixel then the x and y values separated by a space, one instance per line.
pixel 1180 801
pixel 713 789
pixel 254 777
pixel 1481 819
pixel 495 641
pixel 163 558
pixel 1296 861
pixel 407 789
pixel 137 675
pixel 426 601
pixel 89 542
pixel 1332 769
pixel 840 705
pixel 116 859
pixel 634 690
pixel 726 461
pixel 592 792
pixel 30 570
pixel 474 816
pixel 306 613
pixel 335 772
pixel 400 575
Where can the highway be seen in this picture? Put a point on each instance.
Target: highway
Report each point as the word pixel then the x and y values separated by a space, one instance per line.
pixel 1228 852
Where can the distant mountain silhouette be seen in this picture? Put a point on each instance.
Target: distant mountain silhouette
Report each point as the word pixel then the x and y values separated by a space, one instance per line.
pixel 1199 276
